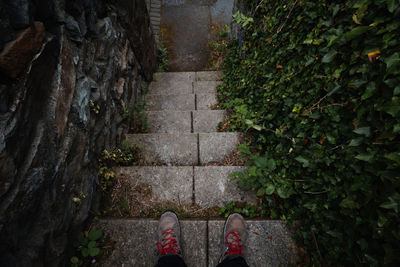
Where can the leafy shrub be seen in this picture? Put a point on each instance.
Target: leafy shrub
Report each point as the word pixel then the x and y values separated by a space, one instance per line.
pixel 317 83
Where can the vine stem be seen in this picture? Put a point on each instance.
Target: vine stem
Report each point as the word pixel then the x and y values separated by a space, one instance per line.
pixel 287 17
pixel 316 193
pixel 319 252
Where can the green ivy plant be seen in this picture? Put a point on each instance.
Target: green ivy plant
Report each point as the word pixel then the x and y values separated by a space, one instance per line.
pixel 316 84
pixel 87 244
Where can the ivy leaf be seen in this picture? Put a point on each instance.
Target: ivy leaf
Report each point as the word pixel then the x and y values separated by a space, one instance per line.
pixel 391 204
pixel 368 157
pixel 283 193
pixel 395 156
pixel 392 62
pixel 329 56
pixel 356 142
pixel 363 131
pixel 396 90
pixel 85 252
pixel 392 107
pixel 355 32
pixel 392 5
pixel 270 189
pixel 369 91
pixel 94 234
pixel 303 160
pixel 93 252
pixel 349 203
pixel 271 164
pixel 261 162
pixel 92 244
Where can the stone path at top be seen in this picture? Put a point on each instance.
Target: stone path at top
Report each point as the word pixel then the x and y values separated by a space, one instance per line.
pixel 181 142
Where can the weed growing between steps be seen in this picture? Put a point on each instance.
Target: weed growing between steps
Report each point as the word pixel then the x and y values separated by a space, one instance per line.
pixel 317 84
pixel 162 57
pixel 216 48
pixel 247 210
pixel 88 246
pixel 138 120
pixel 125 155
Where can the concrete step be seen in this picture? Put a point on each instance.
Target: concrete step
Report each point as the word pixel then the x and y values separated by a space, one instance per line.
pixel 171 102
pixel 216 147
pixel 171 121
pixel 268 243
pixel 205 186
pixel 183 149
pixel 206 87
pixel 209 75
pixel 182 82
pixel 213 186
pixel 183 102
pixel 171 149
pixel 205 101
pixel 206 121
pixel 166 184
pixel 172 83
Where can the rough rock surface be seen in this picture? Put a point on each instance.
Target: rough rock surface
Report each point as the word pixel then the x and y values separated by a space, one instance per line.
pixel 51 131
pixel 20 52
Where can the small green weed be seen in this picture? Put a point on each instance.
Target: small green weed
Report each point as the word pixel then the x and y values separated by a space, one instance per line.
pixel 139 123
pixel 246 210
pixel 162 57
pixel 87 247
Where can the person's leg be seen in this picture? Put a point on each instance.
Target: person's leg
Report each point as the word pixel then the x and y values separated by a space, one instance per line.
pixel 235 235
pixel 170 261
pixel 233 262
pixel 168 245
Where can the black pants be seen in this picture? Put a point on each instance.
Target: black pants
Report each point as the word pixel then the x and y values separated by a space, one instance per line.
pixel 176 261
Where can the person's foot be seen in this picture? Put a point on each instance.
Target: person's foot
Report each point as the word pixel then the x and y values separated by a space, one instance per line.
pixel 235 236
pixel 169 233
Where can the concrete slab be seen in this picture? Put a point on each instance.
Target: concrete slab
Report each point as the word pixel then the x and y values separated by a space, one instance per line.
pixel 170 102
pixel 173 184
pixel 135 242
pixel 206 121
pixel 188 26
pixel 205 101
pixel 194 243
pixel 268 244
pixel 168 121
pixel 215 147
pixel 209 75
pixel 206 87
pixel 213 187
pixel 170 149
pixel 170 87
pixel 174 76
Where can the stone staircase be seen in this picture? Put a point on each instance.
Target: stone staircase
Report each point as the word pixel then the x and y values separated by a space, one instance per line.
pixel 182 163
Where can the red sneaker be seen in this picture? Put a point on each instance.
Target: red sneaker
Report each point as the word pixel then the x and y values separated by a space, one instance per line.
pixel 169 233
pixel 235 235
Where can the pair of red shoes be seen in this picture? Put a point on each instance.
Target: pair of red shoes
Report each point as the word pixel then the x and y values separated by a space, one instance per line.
pixel 169 233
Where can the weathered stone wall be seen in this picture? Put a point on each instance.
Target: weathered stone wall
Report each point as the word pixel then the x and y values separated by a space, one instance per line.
pixel 68 70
